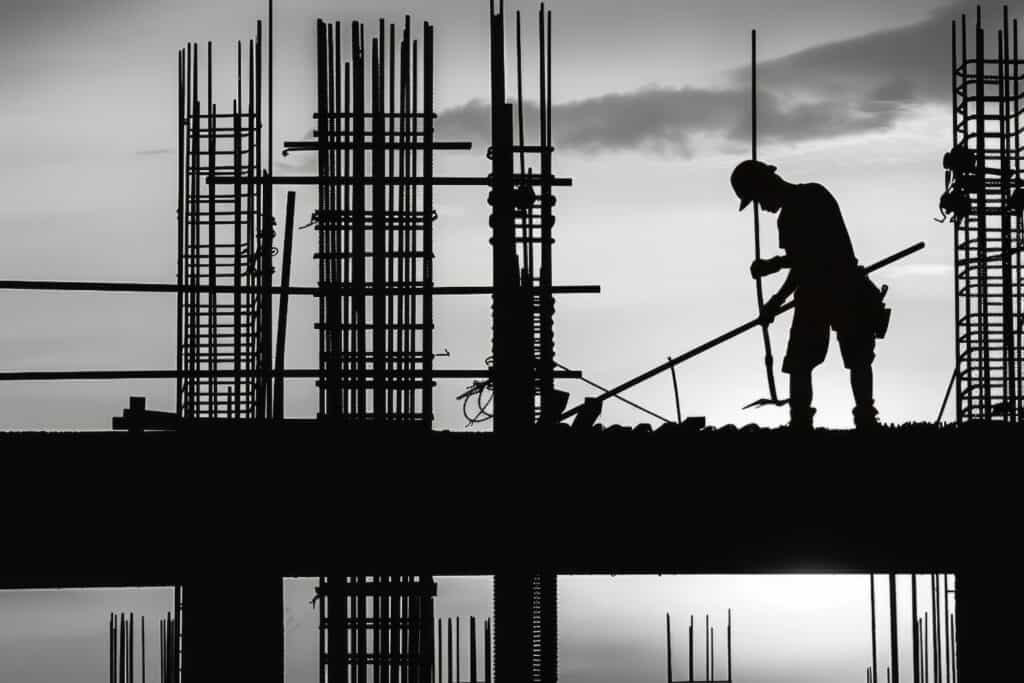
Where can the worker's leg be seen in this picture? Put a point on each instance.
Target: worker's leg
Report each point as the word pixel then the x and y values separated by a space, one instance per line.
pixel 801 393
pixel 858 348
pixel 808 344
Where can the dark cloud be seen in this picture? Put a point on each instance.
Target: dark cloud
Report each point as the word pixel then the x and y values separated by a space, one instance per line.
pixel 858 85
pixel 670 121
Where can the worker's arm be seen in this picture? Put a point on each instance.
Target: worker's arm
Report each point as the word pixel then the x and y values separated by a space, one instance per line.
pixel 763 267
pixel 772 306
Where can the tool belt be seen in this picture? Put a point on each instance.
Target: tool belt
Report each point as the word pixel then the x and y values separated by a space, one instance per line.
pixel 871 305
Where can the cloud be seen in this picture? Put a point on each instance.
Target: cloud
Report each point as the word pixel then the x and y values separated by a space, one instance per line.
pixel 673 121
pixel 859 85
pixel 152 152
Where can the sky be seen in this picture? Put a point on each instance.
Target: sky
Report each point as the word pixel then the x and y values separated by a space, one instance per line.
pixel 799 628
pixel 651 112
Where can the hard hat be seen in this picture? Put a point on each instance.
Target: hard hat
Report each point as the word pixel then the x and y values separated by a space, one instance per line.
pixel 747 176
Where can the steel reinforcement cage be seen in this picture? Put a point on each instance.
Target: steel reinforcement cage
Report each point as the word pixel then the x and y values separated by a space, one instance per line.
pixel 222 314
pixel 985 164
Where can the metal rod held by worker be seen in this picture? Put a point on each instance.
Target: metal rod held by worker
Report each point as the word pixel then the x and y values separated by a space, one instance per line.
pixel 724 338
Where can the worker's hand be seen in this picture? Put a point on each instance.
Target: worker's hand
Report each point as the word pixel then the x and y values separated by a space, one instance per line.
pixel 771 309
pixel 762 267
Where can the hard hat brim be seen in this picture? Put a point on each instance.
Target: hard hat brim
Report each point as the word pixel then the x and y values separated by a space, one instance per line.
pixel 744 203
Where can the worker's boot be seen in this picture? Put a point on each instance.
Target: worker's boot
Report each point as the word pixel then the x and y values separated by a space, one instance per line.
pixel 865 418
pixel 801 418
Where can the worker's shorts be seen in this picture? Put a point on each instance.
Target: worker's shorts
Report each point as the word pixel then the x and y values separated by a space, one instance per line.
pixel 809 335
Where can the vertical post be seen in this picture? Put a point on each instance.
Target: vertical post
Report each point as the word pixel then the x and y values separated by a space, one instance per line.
pixel 380 329
pixel 487 651
pixel 143 641
pixel 450 658
pixel 945 620
pixel 916 635
pixel 181 228
pixel 691 649
pixel 282 316
pixel 211 238
pixel 874 633
pixel 458 651
pixel 894 655
pixel 982 227
pixel 237 255
pixel 956 247
pixel 472 650
pixel 712 654
pixel 668 649
pixel 936 643
pixel 428 228
pixel 728 646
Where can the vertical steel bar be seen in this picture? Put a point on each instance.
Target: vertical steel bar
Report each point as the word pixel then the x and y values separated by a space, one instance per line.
pixel 945 620
pixel 282 316
pixel 450 659
pixel 982 226
pixel 728 646
pixel 914 619
pixel 874 631
pixel 378 197
pixel 707 647
pixel 487 651
pixel 427 221
pixel 712 653
pixel 236 261
pixel 472 650
pixel 690 649
pixel 668 649
pixel 956 247
pixel 894 655
pixel 359 213
pixel 211 239
pixel 182 126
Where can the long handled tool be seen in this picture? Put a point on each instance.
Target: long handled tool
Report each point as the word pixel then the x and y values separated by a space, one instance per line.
pixel 766 340
pixel 672 362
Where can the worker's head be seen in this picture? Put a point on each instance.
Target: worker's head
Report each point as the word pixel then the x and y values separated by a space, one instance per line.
pixel 754 181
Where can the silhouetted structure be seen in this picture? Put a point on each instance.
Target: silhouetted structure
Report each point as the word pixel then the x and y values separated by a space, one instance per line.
pixel 984 196
pixel 376 628
pixel 449 669
pixel 710 674
pixel 526 627
pixel 374 143
pixel 939 639
pixel 224 239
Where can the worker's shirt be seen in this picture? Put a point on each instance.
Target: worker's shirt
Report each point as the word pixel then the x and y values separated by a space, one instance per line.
pixel 814 236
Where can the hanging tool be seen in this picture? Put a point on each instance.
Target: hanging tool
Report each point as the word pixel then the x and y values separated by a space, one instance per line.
pixel 672 362
pixel 769 362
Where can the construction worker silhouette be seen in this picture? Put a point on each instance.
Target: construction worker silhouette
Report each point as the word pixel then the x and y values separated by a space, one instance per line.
pixel 830 290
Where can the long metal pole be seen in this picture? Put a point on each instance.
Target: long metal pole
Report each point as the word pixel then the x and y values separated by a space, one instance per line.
pixel 668 648
pixel 691 648
pixel 765 337
pixel 723 338
pixel 894 654
pixel 945 619
pixel 282 316
pixel 874 634
pixel 916 634
pixel 728 646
